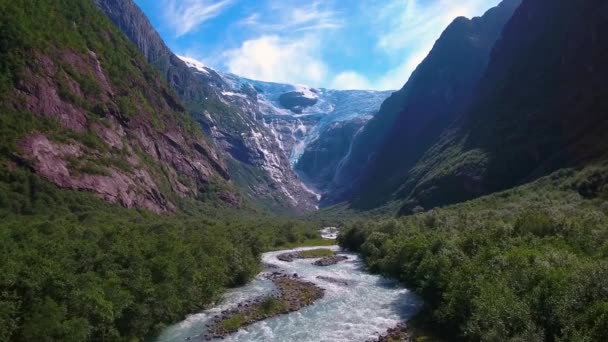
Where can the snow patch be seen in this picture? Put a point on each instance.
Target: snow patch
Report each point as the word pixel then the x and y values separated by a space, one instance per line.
pixel 193 63
pixel 305 91
pixel 229 93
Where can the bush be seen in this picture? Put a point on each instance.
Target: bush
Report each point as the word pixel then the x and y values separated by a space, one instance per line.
pixel 76 268
pixel 528 264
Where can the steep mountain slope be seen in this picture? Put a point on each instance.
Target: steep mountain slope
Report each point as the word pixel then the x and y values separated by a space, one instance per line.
pixel 254 158
pixel 413 118
pixel 525 264
pixel 321 108
pixel 322 156
pixel 83 109
pixel 540 106
pixel 263 127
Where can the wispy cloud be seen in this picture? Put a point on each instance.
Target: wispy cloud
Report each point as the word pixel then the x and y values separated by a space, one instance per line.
pixel 271 58
pixel 350 80
pixel 393 79
pixel 407 30
pixel 286 43
pixel 363 44
pixel 186 15
pixel 288 17
pixel 416 22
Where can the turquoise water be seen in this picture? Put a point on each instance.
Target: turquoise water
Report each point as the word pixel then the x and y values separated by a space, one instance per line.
pixel 368 305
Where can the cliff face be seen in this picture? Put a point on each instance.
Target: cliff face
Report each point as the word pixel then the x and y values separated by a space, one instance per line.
pixel 232 118
pixel 95 116
pixel 322 157
pixel 412 119
pixel 540 106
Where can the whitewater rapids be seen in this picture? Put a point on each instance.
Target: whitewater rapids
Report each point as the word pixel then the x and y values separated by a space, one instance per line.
pixel 359 311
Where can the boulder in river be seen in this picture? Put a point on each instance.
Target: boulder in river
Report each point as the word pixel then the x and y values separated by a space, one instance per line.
pixel 330 260
pixel 334 280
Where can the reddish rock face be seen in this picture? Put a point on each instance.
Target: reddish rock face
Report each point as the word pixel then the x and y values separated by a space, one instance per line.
pixel 133 155
pixel 111 134
pixel 135 189
pixel 40 96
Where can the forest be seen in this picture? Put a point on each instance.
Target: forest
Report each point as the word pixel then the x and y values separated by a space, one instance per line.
pixel 75 268
pixel 526 264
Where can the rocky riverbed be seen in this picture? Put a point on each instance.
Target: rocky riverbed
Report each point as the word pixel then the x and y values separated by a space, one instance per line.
pixel 342 282
pixel 355 306
pixel 291 294
pixel 331 260
pixel 398 333
pixel 325 256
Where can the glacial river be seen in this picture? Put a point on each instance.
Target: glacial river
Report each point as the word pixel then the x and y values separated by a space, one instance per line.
pixel 366 306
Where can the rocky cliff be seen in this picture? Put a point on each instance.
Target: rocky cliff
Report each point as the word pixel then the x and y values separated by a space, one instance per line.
pixel 85 111
pixel 254 157
pixel 261 127
pixel 323 156
pixel 541 105
pixel 412 119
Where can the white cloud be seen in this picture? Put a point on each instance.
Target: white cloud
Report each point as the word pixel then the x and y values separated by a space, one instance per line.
pixel 288 17
pixel 407 23
pixel 349 80
pixel 291 41
pixel 270 58
pixel 409 28
pixel 186 15
pixel 397 77
pixel 392 80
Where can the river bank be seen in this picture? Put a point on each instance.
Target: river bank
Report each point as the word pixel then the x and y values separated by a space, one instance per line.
pixel 356 306
pixel 291 294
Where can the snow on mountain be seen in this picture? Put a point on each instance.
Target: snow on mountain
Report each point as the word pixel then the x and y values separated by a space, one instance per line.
pixel 193 63
pixel 292 115
pixel 296 130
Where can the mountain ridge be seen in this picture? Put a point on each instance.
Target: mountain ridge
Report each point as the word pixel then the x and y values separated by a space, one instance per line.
pixel 97 118
pixel 413 118
pixel 264 178
pixel 534 113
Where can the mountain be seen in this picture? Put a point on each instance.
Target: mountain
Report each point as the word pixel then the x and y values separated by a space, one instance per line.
pixel 253 158
pixel 85 111
pixel 118 216
pixel 261 127
pixel 413 118
pixel 296 116
pixel 539 106
pixel 535 128
pixel 295 129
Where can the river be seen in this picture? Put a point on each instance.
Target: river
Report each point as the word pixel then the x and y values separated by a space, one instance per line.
pixel 358 311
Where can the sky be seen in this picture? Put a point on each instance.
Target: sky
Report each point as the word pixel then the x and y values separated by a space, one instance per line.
pixel 338 44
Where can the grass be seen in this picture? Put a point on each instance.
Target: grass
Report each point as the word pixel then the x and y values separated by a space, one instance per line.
pixel 317 253
pixel 293 295
pixel 272 305
pixel 233 323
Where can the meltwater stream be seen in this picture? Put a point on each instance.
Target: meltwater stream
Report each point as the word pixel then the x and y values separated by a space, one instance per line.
pixel 368 305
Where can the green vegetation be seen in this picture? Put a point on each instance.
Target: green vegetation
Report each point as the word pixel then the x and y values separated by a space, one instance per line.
pixel 316 253
pixel 522 265
pixel 233 323
pixel 271 305
pixel 75 268
pixel 267 307
pixel 56 29
pixel 292 295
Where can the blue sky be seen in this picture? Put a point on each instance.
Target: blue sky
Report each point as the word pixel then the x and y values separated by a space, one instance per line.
pixel 342 44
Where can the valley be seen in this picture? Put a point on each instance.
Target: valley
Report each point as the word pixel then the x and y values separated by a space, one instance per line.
pixel 147 195
pixel 356 306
